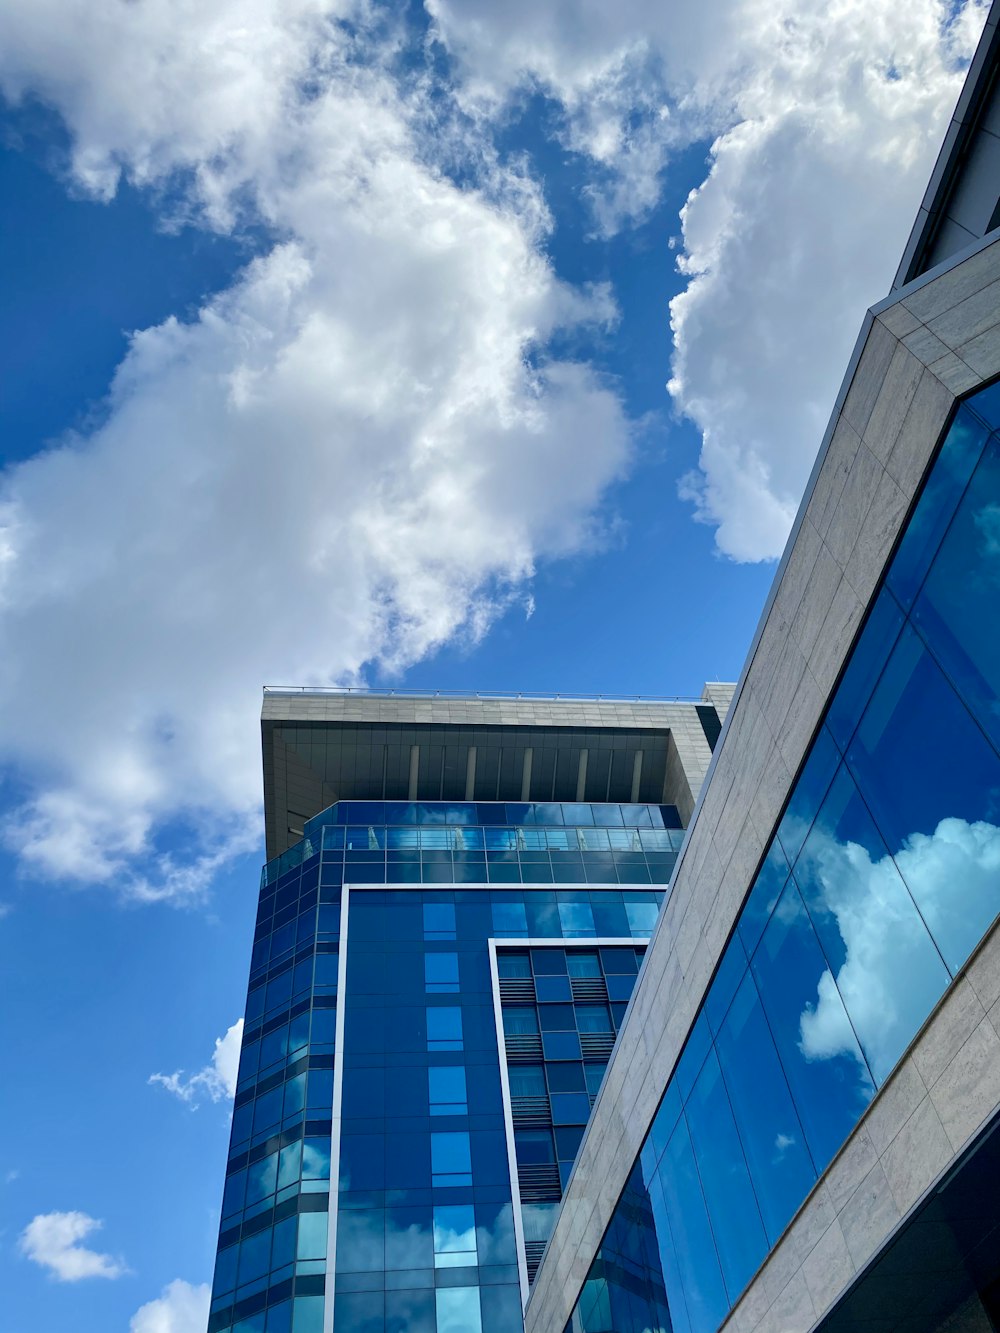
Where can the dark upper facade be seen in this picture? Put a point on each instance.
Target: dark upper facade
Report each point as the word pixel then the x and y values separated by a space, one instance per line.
pixel 320 747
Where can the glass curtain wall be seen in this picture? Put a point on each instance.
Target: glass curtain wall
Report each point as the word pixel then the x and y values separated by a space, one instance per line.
pixel 424 1236
pixel 882 877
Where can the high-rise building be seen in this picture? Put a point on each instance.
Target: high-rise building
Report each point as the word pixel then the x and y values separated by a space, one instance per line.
pixel 799 1125
pixel 455 908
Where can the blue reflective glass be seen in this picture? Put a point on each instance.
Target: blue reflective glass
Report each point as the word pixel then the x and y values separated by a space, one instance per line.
pixel 725 1179
pixel 441 973
pixel 444 1028
pixel 807 794
pixel 882 960
pixel 942 491
pixel 458 1310
pixel 576 919
pixel 510 919
pixel 933 784
pixel 447 1090
pixel 827 1074
pixel 864 668
pixel 694 1245
pixel 956 611
pixel 451 1158
pixel 770 1131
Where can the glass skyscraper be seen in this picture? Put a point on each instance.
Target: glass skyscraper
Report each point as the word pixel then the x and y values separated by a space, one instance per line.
pixel 449 931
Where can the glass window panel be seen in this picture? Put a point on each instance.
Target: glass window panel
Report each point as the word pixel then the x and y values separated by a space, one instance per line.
pixel 949 476
pixel 519 1022
pixel 576 919
pixel 583 964
pixel 548 962
pixel 884 963
pixel 771 879
pixel 458 1310
pixel 289 1164
pixel 283 1246
pixel 534 1147
pixel 807 794
pixel 511 964
pixel 233 1195
pixel 828 1078
pixel 570 1108
pixel 527 1081
pixel 262 1177
pixel 593 1018
pixel 553 989
pixel 594 1075
pixel 956 611
pixel 510 919
pixel 451 1159
pixel 444 1028
pixel 255 1256
pixel 454 1236
pixel 439 921
pixel 307 1315
pixel 316 1159
pixel 225 1270
pixel 769 1128
pixel 567 1077
pixel 557 1018
pixel 441 973
pixel 312 1236
pixel 697 1261
pixel 933 785
pixel 864 668
pixel 641 918
pixel 732 1205
pixel 447 1090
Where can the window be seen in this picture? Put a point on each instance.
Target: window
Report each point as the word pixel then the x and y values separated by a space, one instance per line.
pixel 520 1022
pixel 446 1090
pixel 577 919
pixel 593 1018
pixel 444 1029
pixel 439 921
pixel 510 919
pixel 458 1310
pixel 527 1081
pixel 451 1159
pixel 641 917
pixel 583 964
pixel 455 1236
pixel 441 973
pixel 513 964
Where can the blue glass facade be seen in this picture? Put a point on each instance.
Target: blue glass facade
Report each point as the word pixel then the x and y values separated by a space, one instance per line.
pixel 882 877
pixel 369 1178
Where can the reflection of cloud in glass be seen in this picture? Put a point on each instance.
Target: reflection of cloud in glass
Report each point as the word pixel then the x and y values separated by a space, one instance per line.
pixel 781 1144
pixel 454 1235
pixel 950 874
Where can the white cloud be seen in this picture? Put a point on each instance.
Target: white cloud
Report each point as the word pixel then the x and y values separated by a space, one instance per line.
pixel 181 1308
pixel 52 1240
pixel 825 121
pixel 356 453
pixel 216 1080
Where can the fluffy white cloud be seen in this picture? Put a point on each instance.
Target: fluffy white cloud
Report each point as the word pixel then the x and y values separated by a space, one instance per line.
pixel 357 452
pixel 52 1240
pixel 824 121
pixel 216 1080
pixel 181 1308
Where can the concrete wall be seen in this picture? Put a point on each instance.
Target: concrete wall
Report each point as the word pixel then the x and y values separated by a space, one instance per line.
pixel 932 341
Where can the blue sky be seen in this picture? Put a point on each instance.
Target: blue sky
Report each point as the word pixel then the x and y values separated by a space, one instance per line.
pixel 337 343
